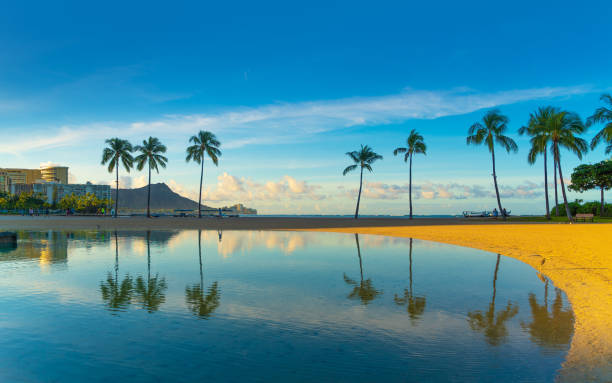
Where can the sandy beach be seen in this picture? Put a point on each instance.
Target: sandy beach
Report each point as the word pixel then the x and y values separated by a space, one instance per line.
pixel 576 258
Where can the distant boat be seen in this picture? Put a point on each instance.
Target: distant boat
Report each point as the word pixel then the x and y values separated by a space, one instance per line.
pixel 473 214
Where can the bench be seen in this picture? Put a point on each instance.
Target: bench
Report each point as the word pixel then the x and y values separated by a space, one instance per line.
pixel 584 217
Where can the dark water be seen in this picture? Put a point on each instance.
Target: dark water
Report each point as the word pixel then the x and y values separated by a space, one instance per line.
pixel 272 306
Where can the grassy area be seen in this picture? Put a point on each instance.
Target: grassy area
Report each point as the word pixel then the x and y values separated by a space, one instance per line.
pixel 559 219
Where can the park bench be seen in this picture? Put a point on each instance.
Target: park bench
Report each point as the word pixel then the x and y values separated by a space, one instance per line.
pixel 584 217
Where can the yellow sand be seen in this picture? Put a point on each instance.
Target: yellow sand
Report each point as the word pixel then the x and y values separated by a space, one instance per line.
pixel 577 258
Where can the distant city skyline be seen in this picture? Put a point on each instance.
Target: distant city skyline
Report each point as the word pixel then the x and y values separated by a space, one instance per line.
pixel 288 90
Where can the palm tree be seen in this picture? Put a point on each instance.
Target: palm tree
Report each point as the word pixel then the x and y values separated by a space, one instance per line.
pixel 203 143
pixel 415 305
pixel 150 150
pixel 491 323
pixel 363 290
pixel 363 158
pixel 602 115
pixel 117 295
pixel 414 145
pixel 537 129
pixel 490 132
pixel 202 303
pixel 564 128
pixel 118 150
pixel 151 293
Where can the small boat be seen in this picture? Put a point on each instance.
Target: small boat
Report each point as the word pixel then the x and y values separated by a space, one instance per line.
pixel 474 214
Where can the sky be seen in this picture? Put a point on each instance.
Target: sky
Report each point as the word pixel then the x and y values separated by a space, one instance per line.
pixel 290 87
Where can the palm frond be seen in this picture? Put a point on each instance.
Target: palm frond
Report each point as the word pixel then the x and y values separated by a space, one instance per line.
pixel 349 169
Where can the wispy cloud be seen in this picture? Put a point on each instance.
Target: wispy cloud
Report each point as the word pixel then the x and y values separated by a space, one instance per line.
pixel 288 122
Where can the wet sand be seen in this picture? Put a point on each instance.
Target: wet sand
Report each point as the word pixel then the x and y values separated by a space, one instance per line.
pixel 576 258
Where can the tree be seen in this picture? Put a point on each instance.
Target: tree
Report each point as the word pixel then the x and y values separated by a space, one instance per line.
pixel 150 150
pixel 490 132
pixel 202 303
pixel 151 293
pixel 564 128
pixel 204 143
pixel 364 289
pixel 117 295
pixel 415 305
pixel 602 115
pixel 363 158
pixel 537 128
pixel 414 145
pixel 118 151
pixel 586 177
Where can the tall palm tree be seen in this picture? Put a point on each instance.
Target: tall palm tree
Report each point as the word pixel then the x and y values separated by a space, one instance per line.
pixel 363 158
pixel 364 289
pixel 117 295
pixel 490 132
pixel 537 129
pixel 150 150
pixel 414 145
pixel 602 115
pixel 564 128
pixel 202 303
pixel 151 293
pixel 118 151
pixel 204 143
pixel 492 323
pixel 415 305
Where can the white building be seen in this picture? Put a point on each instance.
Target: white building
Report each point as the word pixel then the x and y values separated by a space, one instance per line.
pixel 55 192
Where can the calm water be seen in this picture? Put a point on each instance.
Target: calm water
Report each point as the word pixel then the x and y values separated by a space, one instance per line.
pixel 272 306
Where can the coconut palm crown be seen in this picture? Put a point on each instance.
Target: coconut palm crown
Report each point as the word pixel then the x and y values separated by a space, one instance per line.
pixel 118 151
pixel 151 153
pixel 490 132
pixel 363 159
pixel 602 115
pixel 414 145
pixel 204 143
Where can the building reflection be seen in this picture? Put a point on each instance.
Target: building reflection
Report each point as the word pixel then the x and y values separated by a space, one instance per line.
pixel 551 326
pixel 491 323
pixel 201 302
pixel 415 305
pixel 363 290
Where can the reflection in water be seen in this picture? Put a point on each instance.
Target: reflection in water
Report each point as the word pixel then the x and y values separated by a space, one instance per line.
pixel 116 294
pixel 364 290
pixel 202 303
pixel 554 329
pixel 491 323
pixel 150 293
pixel 415 305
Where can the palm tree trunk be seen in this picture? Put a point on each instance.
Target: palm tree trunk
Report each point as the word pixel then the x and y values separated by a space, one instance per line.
pixel 200 256
pixel 501 211
pixel 117 189
pixel 201 179
pixel 359 255
pixel 602 202
pixel 148 257
pixel 556 192
pixel 359 195
pixel 567 211
pixel 149 194
pixel 116 256
pixel 410 185
pixel 495 281
pixel 410 267
pixel 546 184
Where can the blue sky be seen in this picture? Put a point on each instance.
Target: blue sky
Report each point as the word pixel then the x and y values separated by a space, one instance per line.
pixel 290 87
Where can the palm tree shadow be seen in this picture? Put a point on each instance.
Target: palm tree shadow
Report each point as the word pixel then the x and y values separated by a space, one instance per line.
pixel 201 302
pixel 151 293
pixel 117 294
pixel 491 323
pixel 552 329
pixel 364 289
pixel 415 305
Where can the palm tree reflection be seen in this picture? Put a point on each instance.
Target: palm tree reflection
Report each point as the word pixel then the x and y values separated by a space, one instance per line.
pixel 150 293
pixel 363 290
pixel 491 323
pixel 550 329
pixel 415 305
pixel 116 294
pixel 200 302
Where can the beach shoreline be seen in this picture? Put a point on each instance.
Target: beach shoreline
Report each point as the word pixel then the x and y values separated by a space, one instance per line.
pixel 576 258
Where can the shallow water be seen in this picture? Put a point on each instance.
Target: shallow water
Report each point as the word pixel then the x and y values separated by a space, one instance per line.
pixel 272 306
